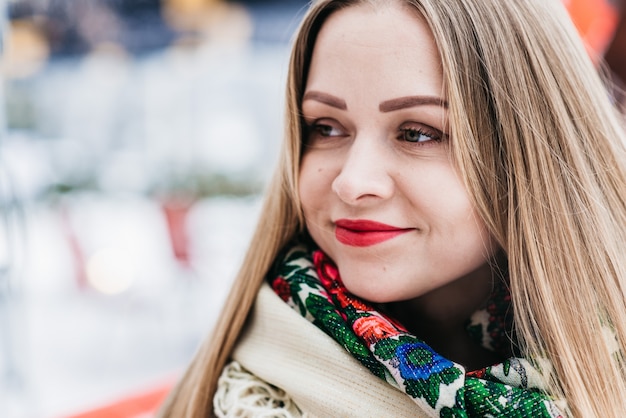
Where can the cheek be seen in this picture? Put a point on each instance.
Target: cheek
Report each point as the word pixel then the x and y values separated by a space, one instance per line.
pixel 314 184
pixel 314 190
pixel 306 180
pixel 453 215
pixel 489 243
pixel 473 243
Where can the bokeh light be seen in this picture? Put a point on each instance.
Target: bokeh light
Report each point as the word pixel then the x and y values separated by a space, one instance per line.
pixel 111 271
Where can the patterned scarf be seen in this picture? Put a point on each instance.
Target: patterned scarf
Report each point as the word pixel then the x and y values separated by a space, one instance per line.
pixel 309 282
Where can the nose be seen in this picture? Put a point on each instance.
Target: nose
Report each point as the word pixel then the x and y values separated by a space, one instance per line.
pixel 364 176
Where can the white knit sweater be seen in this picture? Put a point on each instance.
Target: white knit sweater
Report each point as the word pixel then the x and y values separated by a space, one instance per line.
pixel 316 376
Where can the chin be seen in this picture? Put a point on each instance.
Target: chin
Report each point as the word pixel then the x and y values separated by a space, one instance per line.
pixel 374 292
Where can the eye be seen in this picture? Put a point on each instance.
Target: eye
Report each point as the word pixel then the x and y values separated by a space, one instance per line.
pixel 327 130
pixel 324 129
pixel 419 134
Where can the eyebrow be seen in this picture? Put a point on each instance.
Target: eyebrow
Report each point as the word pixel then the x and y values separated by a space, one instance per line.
pixel 325 98
pixel 411 101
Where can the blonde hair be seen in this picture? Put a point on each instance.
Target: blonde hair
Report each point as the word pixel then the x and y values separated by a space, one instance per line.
pixel 541 151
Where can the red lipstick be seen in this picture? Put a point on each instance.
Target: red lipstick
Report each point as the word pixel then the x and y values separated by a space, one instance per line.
pixel 363 233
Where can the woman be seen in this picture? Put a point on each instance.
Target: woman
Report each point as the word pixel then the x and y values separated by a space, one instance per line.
pixel 449 208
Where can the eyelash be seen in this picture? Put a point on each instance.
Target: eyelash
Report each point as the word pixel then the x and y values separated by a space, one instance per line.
pixel 429 133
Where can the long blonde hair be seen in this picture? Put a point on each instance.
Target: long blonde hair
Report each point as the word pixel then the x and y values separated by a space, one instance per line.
pixel 542 153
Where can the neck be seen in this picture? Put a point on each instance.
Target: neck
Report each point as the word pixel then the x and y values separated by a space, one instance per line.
pixel 440 317
pixel 452 341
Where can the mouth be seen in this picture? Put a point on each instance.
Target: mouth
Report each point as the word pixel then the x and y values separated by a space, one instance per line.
pixel 363 233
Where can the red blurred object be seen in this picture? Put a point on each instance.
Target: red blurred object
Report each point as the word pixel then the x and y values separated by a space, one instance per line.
pixel 139 406
pixel 596 21
pixel 78 256
pixel 176 211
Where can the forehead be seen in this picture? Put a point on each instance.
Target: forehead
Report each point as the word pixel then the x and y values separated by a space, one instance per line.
pixel 354 22
pixel 386 48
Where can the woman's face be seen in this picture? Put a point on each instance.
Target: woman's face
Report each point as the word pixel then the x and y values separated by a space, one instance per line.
pixel 378 188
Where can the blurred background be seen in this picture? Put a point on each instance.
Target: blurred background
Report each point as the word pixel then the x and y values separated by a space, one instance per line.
pixel 136 137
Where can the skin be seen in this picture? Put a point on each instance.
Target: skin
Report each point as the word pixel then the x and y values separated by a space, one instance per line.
pixel 372 154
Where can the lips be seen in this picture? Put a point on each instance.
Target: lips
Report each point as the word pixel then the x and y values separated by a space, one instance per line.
pixel 363 233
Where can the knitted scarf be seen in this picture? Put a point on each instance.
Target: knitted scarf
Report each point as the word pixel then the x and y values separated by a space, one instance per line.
pixel 309 282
